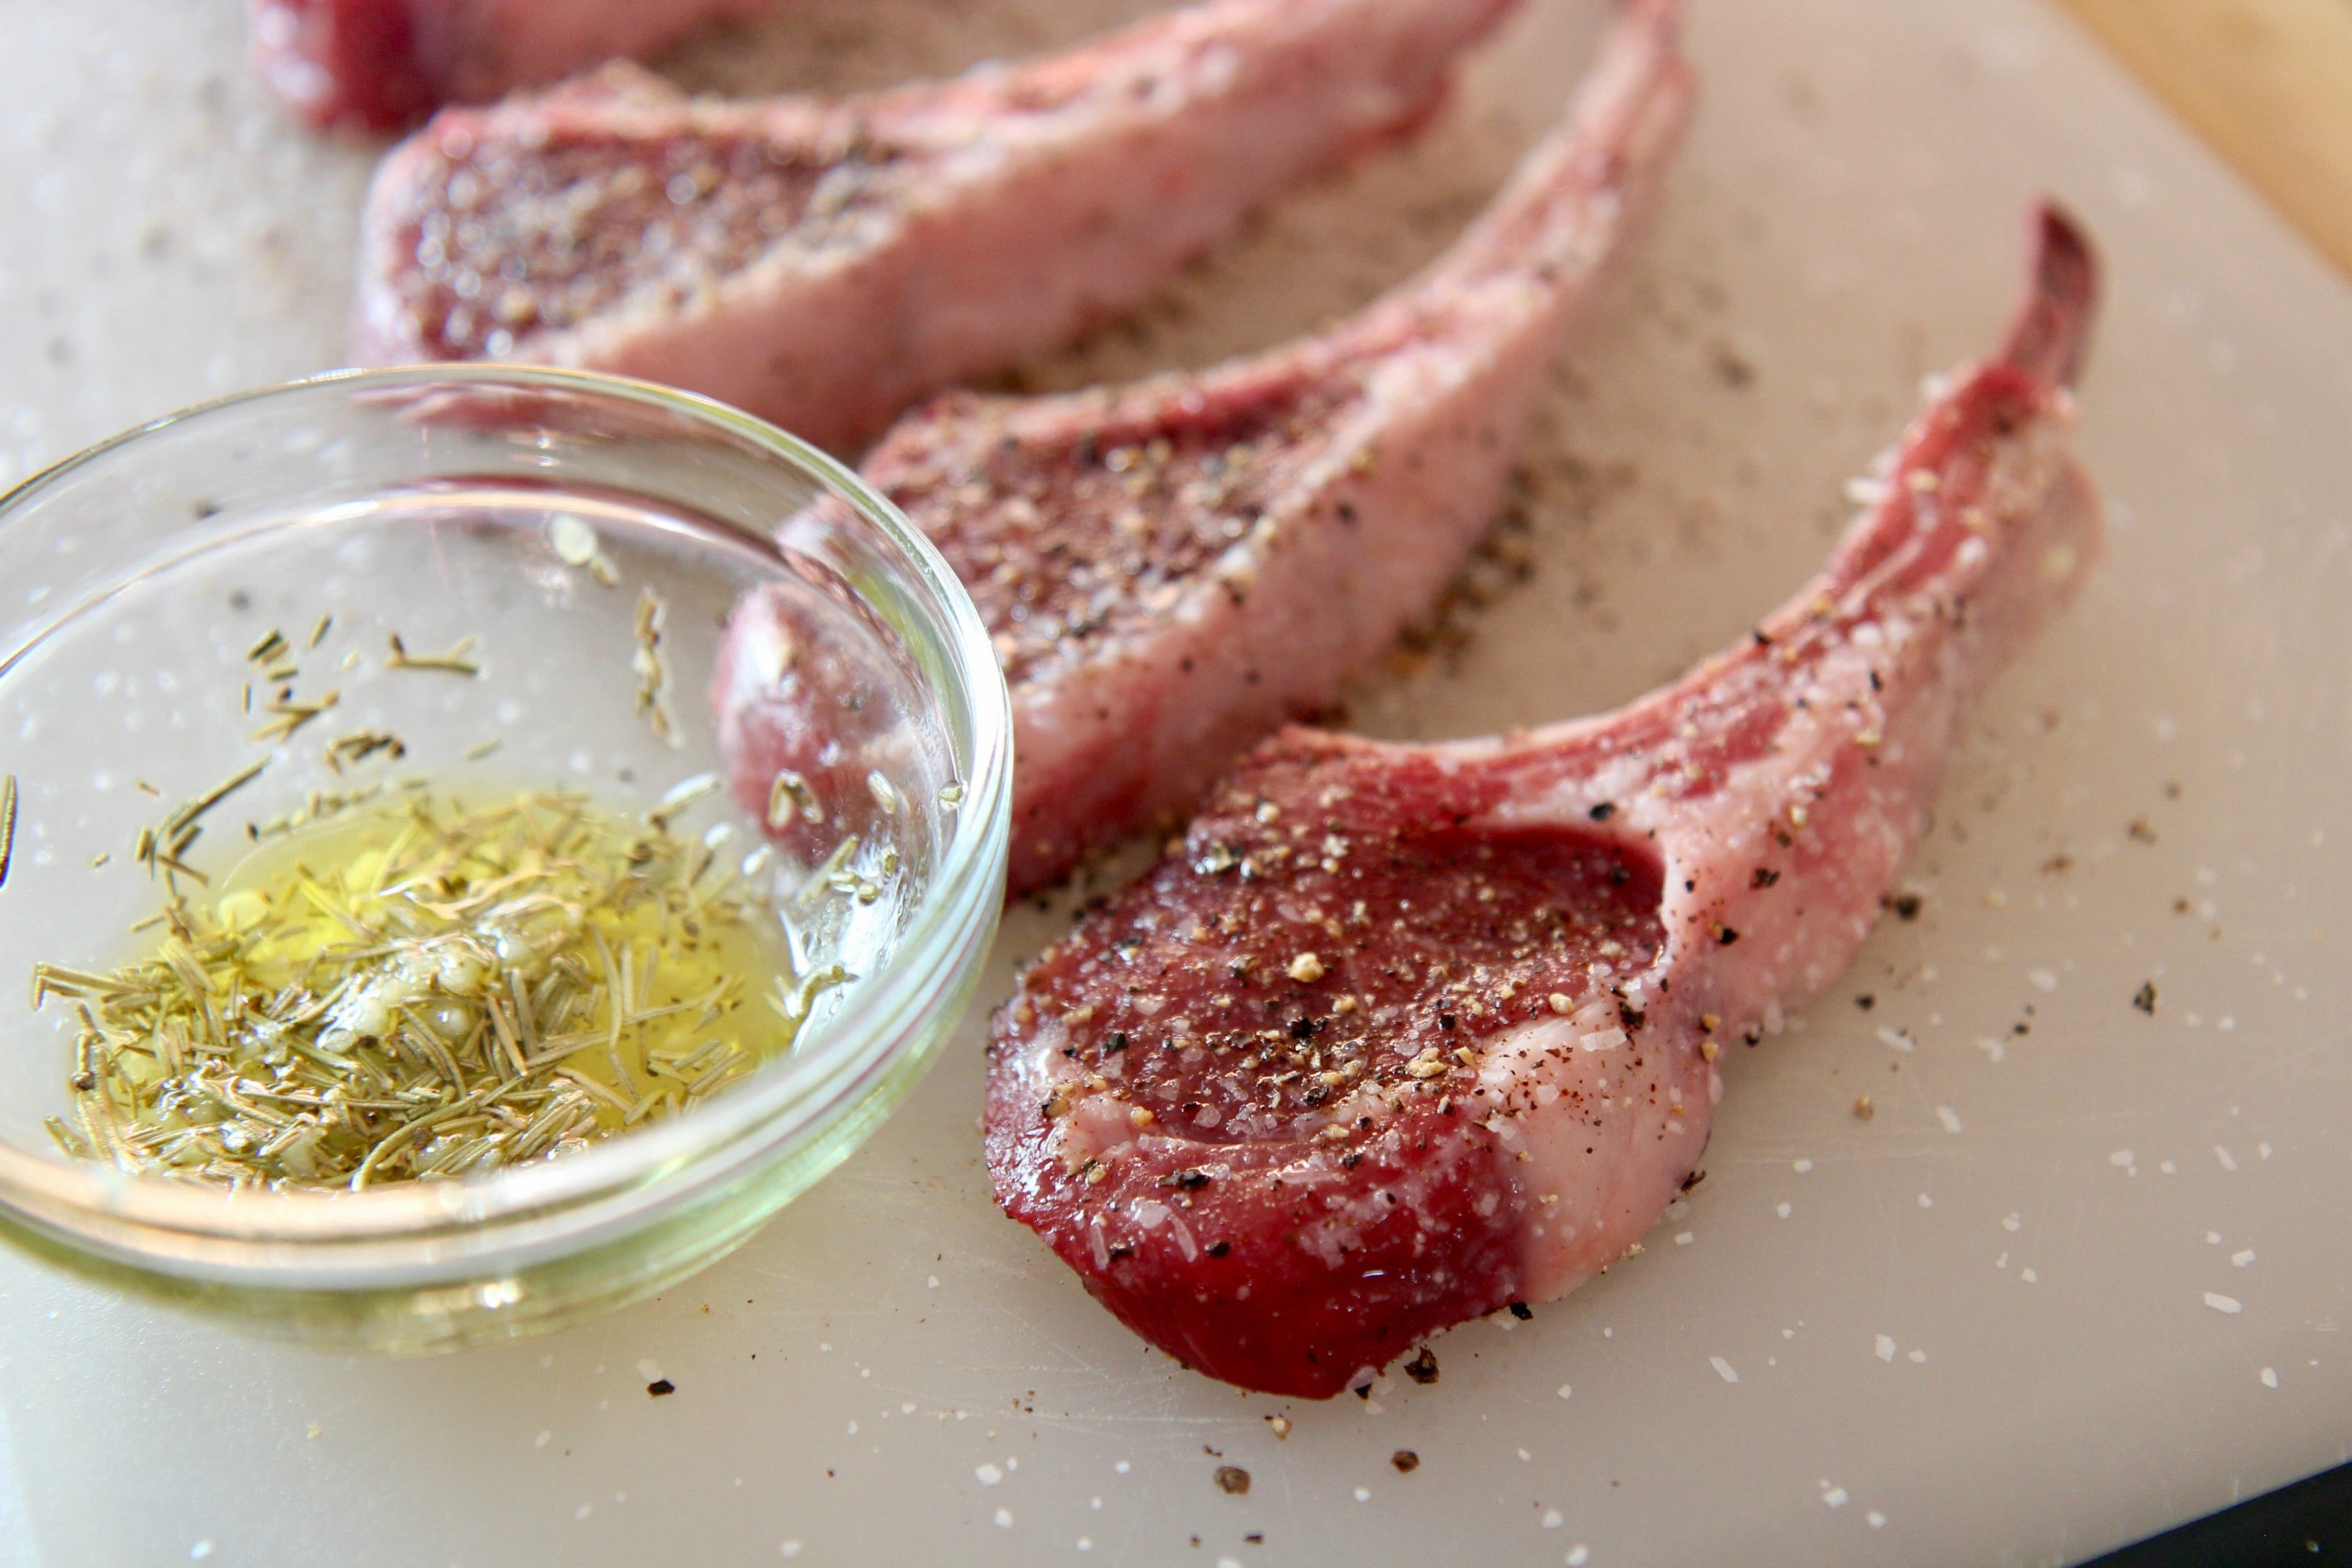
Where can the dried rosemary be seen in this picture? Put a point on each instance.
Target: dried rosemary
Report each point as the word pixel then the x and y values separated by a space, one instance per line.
pixel 422 991
pixel 7 824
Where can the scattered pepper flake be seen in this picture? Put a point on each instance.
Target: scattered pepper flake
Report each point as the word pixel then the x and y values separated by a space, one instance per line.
pixel 660 1386
pixel 1233 1480
pixel 1865 1108
pixel 2144 998
pixel 1405 1460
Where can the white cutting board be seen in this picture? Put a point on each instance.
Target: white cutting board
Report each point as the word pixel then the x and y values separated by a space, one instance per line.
pixel 893 1373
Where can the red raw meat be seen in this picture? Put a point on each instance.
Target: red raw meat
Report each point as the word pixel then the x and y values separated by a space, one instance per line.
pixel 383 64
pixel 1172 569
pixel 1408 1033
pixel 825 263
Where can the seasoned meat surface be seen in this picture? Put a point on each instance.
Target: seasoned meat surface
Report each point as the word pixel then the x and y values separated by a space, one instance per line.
pixel 1171 569
pixel 827 262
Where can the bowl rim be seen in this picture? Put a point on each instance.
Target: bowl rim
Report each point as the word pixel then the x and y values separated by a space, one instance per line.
pixel 90 1203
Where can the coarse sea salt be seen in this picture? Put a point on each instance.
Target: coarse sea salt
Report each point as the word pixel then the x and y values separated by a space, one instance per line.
pixel 2221 1303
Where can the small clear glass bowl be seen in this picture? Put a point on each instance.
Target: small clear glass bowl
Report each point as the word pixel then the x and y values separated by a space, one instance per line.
pixel 425 503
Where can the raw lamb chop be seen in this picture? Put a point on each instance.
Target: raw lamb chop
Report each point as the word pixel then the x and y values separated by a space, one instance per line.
pixel 381 64
pixel 1172 570
pixel 1409 1033
pixel 824 263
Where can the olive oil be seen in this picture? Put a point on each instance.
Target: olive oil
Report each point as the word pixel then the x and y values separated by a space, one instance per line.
pixel 430 985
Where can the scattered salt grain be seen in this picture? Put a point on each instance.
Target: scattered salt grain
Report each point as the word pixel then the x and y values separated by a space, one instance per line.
pixel 2221 1304
pixel 788 1548
pixel 1926 1201
pixel 2043 980
pixel 2270 1377
pixel 1552 1520
pixel 1918 1358
pixel 1803 1166
pixel 1834 1497
pixel 1563 1391
pixel 1723 1369
pixel 1877 1520
pixel 1578 1556
pixel 1363 1494
pixel 541 1440
pixel 2120 1159
pixel 1900 1039
pixel 989 1475
pixel 1949 1117
pixel 2010 1224
pixel 2029 1276
pixel 1003 1519
pixel 1684 1238
pixel 1886 1348
pixel 2229 1161
pixel 2243 1259
pixel 1783 1210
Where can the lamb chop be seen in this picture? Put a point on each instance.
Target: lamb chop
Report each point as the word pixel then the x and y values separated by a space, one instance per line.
pixel 1409 1033
pixel 825 263
pixel 1170 570
pixel 379 65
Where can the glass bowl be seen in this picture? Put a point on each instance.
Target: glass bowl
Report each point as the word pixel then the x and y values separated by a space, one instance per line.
pixel 534 512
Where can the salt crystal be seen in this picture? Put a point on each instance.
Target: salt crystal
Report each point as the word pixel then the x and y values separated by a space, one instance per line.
pixel 1783 1211
pixel 1552 1520
pixel 2120 1158
pixel 1949 1117
pixel 2270 1377
pixel 1578 1556
pixel 2221 1303
pixel 1363 1494
pixel 1563 1391
pixel 2043 980
pixel 1685 1238
pixel 1003 1519
pixel 2229 1163
pixel 2029 1276
pixel 989 1475
pixel 1723 1369
pixel 1886 1348
pixel 2010 1224
pixel 2243 1259
pixel 1834 1497
pixel 1803 1166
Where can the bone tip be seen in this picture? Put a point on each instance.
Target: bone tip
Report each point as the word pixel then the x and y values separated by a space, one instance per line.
pixel 2052 336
